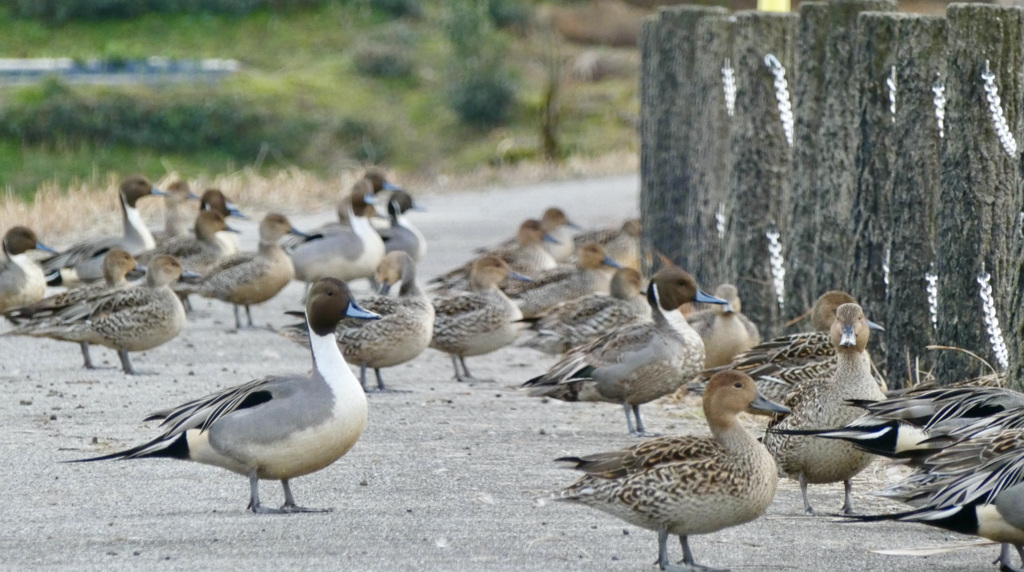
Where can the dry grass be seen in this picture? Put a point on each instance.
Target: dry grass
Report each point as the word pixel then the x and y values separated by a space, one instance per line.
pixel 60 215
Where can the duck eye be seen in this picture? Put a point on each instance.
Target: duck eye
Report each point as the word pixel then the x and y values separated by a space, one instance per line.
pixel 738 385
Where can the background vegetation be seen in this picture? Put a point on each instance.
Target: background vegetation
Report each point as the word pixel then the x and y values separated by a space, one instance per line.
pixel 426 86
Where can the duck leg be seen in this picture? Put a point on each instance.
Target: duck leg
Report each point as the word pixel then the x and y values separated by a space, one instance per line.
pixel 469 376
pixel 1004 558
pixel 248 314
pixel 689 564
pixel 85 355
pixel 455 366
pixel 847 503
pixel 238 318
pixel 640 432
pixel 254 497
pixel 362 376
pixel 126 362
pixel 688 557
pixel 289 501
pixel 803 491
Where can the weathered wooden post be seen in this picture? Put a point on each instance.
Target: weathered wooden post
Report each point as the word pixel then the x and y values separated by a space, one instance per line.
pixel 837 143
pixel 916 173
pixel 764 47
pixel 670 199
pixel 875 75
pixel 981 190
pixel 808 97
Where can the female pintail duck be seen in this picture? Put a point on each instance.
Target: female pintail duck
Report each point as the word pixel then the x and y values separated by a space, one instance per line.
pixel 84 261
pixel 558 226
pixel 402 235
pixel 633 365
pixel 378 183
pixel 580 321
pixel 687 485
pixel 910 426
pixel 824 405
pixel 975 486
pixel 477 322
pixel 781 364
pixel 725 330
pixel 117 265
pixel 249 278
pixel 402 333
pixel 133 319
pixel 176 221
pixel 196 253
pixel 621 243
pixel 345 255
pixel 22 281
pixel 214 200
pixel 278 427
pixel 591 274
pixel 527 256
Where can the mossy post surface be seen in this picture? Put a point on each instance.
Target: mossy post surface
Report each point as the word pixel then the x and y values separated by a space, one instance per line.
pixel 981 185
pixel 808 98
pixel 916 174
pixel 670 203
pixel 762 159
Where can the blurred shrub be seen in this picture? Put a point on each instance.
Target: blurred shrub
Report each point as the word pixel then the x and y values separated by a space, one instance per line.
pixel 509 14
pixel 382 60
pixel 483 97
pixel 64 10
pixel 397 8
pixel 481 87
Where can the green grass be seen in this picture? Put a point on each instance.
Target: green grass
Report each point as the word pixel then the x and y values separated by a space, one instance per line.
pixel 299 64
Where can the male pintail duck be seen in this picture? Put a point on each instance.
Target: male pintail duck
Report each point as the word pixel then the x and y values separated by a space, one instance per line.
pixel 402 235
pixel 402 333
pixel 176 221
pixel 580 321
pixel 84 261
pixel 249 278
pixel 346 254
pixel 117 265
pixel 527 256
pixel 22 281
pixel 379 185
pixel 725 330
pixel 214 200
pixel 687 485
pixel 477 322
pixel 975 485
pixel 621 243
pixel 196 253
pixel 278 427
pixel 633 365
pixel 825 405
pixel 781 364
pixel 133 319
pixel 591 274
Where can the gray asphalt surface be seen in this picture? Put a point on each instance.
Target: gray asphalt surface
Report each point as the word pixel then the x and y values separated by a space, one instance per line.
pixel 446 477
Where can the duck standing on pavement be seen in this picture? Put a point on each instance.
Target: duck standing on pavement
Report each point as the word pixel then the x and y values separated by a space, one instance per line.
pixel 277 427
pixel 22 281
pixel 687 485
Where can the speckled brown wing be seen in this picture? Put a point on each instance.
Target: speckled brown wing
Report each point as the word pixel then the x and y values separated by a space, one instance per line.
pixel 552 276
pixel 702 322
pixel 647 455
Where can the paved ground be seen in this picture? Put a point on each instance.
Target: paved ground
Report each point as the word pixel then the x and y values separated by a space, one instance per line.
pixel 446 477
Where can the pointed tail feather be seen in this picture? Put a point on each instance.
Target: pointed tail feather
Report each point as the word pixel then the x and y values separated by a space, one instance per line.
pixel 175 448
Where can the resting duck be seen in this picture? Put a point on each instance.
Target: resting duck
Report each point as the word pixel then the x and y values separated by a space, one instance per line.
pixel 591 274
pixel 725 330
pixel 22 281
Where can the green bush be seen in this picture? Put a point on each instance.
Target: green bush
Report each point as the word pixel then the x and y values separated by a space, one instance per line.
pixel 397 8
pixel 64 10
pixel 484 96
pixel 509 14
pixel 383 60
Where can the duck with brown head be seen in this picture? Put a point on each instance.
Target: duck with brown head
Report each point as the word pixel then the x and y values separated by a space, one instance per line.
pixel 176 221
pixel 725 330
pixel 636 364
pixel 196 253
pixel 278 427
pixel 592 273
pixel 826 404
pixel 22 281
pixel 84 261
pixel 402 235
pixel 621 243
pixel 688 485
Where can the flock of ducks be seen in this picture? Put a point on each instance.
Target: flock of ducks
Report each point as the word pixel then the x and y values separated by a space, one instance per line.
pixel 579 295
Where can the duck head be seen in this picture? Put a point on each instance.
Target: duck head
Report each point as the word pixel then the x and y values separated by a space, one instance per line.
pixel 395 267
pixel 274 226
pixel 626 283
pixel 363 199
pixel 728 293
pixel 117 264
pixel 554 218
pixel 732 392
pixel 592 257
pixel 178 192
pixel 208 224
pixel 134 188
pixel 163 270
pixel 378 181
pixel 20 239
pixel 488 271
pixel 672 287
pixel 823 314
pixel 329 301
pixel 214 200
pixel 532 233
pixel 850 331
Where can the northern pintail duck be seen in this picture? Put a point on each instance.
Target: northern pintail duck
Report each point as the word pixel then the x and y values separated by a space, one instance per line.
pixel 249 278
pixel 84 261
pixel 687 485
pixel 176 220
pixel 974 485
pixel 633 365
pixel 347 254
pixel 402 235
pixel 558 226
pixel 22 281
pixel 527 256
pixel 591 274
pixel 133 319
pixel 781 364
pixel 477 322
pixel 378 184
pixel 214 200
pixel 196 253
pixel 402 333
pixel 277 427
pixel 824 404
pixel 117 265
pixel 580 321
pixel 725 330
pixel 621 243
